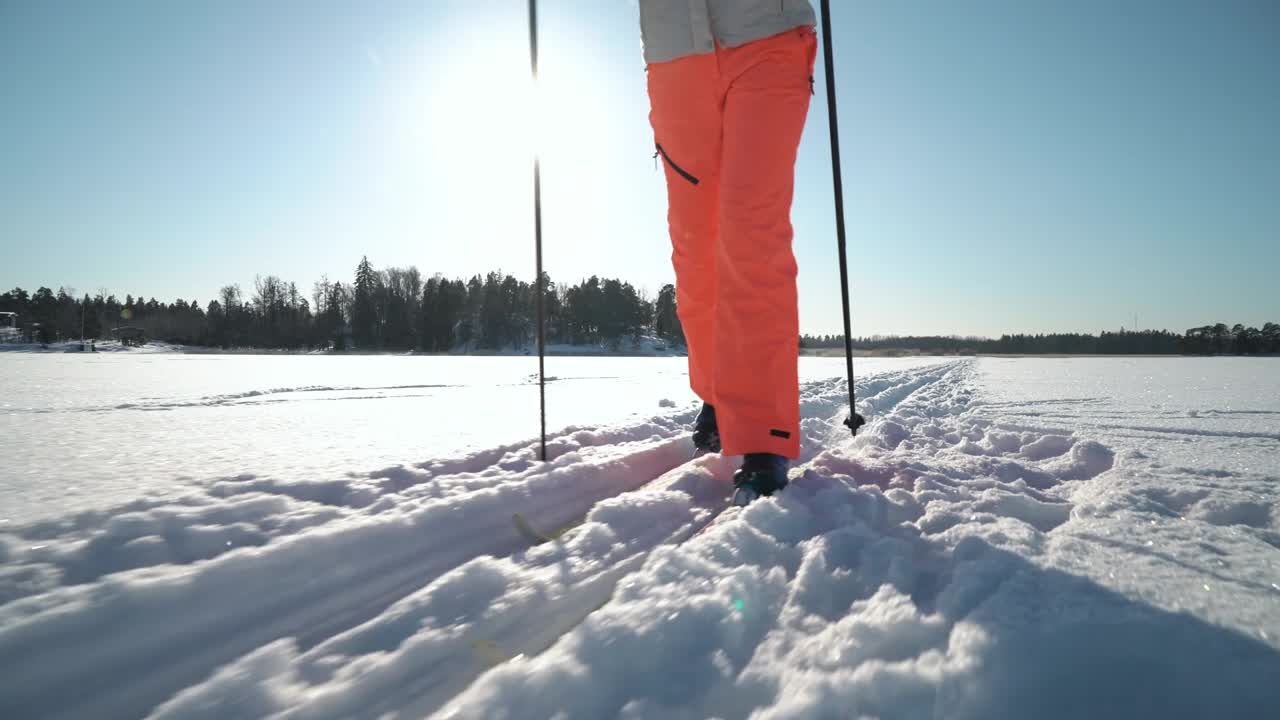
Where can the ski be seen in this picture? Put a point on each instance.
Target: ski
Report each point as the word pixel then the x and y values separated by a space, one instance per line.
pixel 730 510
pixel 534 536
pixel 724 514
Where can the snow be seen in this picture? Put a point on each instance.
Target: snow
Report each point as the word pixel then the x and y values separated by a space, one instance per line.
pixel 113 428
pixel 1006 539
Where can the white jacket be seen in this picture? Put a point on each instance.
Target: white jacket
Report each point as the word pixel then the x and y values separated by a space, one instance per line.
pixel 675 28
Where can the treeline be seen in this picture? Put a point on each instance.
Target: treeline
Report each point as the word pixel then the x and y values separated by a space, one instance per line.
pixel 398 309
pixel 392 309
pixel 1207 340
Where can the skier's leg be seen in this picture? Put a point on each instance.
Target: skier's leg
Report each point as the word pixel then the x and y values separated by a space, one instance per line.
pixel 685 115
pixel 757 332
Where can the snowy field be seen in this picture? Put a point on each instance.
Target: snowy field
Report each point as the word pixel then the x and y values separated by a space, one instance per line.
pixel 87 432
pixel 243 537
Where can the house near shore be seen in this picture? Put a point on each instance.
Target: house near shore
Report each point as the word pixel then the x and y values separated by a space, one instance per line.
pixel 10 328
pixel 130 335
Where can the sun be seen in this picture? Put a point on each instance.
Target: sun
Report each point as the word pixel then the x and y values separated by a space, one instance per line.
pixel 467 121
pixel 488 116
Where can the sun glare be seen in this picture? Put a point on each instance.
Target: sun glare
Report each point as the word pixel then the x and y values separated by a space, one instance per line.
pixel 490 116
pixel 464 121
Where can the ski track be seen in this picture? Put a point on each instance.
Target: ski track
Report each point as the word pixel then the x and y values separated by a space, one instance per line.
pixel 272 395
pixel 945 563
pixel 414 657
pixel 914 572
pixel 306 585
pixel 113 602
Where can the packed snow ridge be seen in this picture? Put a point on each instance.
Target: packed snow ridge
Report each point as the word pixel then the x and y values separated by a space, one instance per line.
pixel 964 557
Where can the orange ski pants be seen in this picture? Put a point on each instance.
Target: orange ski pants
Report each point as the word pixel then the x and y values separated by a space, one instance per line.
pixel 727 126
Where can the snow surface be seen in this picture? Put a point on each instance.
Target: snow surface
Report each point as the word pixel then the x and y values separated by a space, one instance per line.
pixel 88 432
pixel 1006 539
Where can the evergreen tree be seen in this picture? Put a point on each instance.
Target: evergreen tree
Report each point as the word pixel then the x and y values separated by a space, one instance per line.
pixel 553 313
pixel 91 326
pixel 365 323
pixel 492 313
pixel 335 318
pixel 666 317
pixel 1270 338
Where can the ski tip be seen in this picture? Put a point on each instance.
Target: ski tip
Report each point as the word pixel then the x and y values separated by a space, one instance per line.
pixel 528 532
pixel 536 537
pixel 489 652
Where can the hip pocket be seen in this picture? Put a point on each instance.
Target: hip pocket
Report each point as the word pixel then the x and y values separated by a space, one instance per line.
pixel 674 167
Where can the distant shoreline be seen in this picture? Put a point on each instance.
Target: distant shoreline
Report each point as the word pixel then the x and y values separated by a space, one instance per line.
pixel 111 347
pixel 158 348
pixel 890 353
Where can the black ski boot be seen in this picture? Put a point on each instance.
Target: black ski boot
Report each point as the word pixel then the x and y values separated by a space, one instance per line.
pixel 761 474
pixel 706 434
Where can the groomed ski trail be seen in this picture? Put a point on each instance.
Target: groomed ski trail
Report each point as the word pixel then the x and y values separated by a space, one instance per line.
pixel 130 629
pixel 127 647
pixel 422 651
pixel 720 606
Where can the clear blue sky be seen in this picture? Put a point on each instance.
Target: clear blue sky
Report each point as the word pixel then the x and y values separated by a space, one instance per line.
pixel 1010 165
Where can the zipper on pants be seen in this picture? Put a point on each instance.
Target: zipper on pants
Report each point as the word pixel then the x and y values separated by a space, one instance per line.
pixel 679 170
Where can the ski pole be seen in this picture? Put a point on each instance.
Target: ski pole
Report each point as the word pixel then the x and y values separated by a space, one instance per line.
pixel 854 421
pixel 537 240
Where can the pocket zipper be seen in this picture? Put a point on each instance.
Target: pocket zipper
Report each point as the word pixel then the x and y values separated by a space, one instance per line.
pixel 679 170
